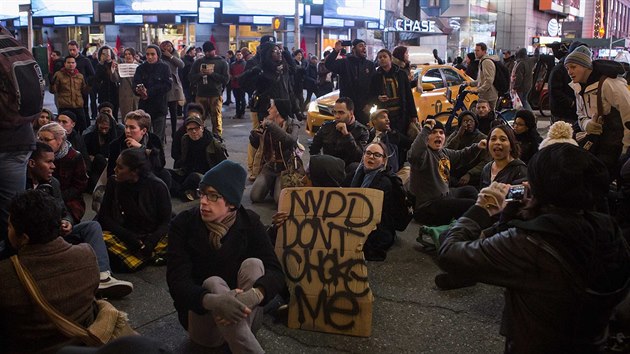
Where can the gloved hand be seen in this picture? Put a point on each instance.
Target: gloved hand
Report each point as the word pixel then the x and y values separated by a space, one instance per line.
pixel 226 306
pixel 492 198
pixel 592 127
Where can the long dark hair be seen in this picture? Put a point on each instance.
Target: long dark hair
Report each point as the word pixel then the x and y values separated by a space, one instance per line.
pixel 514 146
pixel 137 161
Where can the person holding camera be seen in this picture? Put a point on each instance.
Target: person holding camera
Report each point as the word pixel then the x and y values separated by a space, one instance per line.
pixel 565 267
pixel 152 82
pixel 210 74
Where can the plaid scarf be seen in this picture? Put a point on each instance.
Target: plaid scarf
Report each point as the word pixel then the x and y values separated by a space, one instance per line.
pixel 217 230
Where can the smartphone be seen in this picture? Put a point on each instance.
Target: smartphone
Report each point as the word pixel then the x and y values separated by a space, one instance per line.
pixel 346 43
pixel 204 66
pixel 140 86
pixel 516 193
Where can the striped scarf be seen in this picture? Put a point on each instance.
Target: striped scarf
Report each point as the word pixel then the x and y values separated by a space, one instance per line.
pixel 217 230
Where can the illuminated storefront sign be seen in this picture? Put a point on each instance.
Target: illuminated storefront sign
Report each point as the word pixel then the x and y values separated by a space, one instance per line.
pixel 425 26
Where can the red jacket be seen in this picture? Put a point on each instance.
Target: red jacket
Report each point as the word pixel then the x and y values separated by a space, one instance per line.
pixel 236 69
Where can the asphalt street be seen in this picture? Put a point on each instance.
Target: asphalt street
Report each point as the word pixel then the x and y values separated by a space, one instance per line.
pixel 409 314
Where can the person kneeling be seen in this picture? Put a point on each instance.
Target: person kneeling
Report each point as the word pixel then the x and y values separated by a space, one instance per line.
pixel 222 264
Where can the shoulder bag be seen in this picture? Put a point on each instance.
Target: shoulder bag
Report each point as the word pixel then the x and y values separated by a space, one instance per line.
pixel 108 325
pixel 293 174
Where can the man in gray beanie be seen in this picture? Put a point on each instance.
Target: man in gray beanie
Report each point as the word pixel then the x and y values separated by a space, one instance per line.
pixel 152 82
pixel 221 264
pixel 608 136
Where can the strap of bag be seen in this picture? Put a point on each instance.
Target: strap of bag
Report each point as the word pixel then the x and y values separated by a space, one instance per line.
pixel 66 326
pixel 600 102
pixel 282 157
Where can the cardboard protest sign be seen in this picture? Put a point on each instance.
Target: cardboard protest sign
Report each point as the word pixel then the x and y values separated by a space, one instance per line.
pixel 320 248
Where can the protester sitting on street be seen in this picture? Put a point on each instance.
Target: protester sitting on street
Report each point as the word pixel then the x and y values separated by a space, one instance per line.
pixel 191 109
pixel 390 89
pixel 485 116
pixel 373 172
pixel 135 213
pixel 45 117
pixel 565 268
pixel 137 125
pixel 526 133
pixel 275 140
pixel 39 176
pixel 397 144
pixel 67 275
pixel 69 85
pixel 70 171
pixel 466 134
pixel 106 107
pixel 68 120
pixel 436 203
pixel 505 166
pixel 201 151
pixel 221 264
pixel 97 145
pixel 344 137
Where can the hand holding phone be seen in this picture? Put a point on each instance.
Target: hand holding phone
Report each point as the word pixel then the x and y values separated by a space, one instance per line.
pixel 515 193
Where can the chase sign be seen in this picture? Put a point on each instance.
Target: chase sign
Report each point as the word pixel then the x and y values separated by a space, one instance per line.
pixel 425 26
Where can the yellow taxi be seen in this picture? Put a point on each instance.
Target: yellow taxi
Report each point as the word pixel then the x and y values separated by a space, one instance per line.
pixel 435 83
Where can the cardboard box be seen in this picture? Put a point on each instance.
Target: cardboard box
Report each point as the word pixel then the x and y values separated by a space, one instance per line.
pixel 320 248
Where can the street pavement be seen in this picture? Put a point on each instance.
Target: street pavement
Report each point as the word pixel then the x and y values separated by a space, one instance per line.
pixel 409 314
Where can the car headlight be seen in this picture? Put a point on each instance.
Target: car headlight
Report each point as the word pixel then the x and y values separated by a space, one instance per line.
pixel 312 107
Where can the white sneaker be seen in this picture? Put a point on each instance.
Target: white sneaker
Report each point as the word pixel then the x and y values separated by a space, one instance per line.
pixel 111 287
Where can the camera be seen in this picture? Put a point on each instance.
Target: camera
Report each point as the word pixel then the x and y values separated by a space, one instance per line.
pixel 346 43
pixel 515 193
pixel 204 66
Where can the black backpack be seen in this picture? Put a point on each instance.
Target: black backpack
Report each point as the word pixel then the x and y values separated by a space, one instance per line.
pixel 403 204
pixel 501 77
pixel 21 83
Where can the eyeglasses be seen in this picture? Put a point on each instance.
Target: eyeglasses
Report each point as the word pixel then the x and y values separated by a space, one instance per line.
pixel 377 155
pixel 212 197
pixel 193 129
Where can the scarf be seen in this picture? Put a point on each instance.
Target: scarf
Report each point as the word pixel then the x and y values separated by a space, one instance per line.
pixel 63 150
pixel 364 178
pixel 217 230
pixel 72 72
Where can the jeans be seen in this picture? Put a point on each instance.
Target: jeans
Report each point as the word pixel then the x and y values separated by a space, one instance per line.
pixel 442 211
pixel 523 96
pixel 90 232
pixel 13 181
pixel 239 98
pixel 267 181
pixel 172 111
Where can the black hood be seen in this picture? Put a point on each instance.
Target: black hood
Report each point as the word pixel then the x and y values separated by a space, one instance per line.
pixel 327 171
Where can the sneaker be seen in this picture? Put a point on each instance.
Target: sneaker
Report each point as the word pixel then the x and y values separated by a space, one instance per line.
pixel 113 288
pixel 190 195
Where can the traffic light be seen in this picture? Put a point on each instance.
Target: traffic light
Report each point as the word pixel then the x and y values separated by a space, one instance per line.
pixel 277 23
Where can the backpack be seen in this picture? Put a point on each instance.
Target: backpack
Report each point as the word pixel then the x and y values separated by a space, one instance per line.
pixel 21 83
pixel 501 77
pixel 402 205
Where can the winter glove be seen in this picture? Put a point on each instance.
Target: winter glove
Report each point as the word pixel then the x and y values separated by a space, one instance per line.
pixel 492 197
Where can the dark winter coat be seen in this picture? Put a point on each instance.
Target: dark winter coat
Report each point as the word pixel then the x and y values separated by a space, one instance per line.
pixel 156 157
pixel 330 141
pixel 106 84
pixel 515 171
pixel 394 84
pixel 561 95
pixel 191 259
pixel 157 80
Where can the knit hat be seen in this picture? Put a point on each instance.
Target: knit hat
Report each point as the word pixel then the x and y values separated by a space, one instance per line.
pixel 68 114
pixel 228 178
pixel 438 125
pixel 374 115
pixel 208 46
pixel 357 41
pixel 267 38
pixel 580 56
pixel 193 119
pixel 559 132
pixel 157 50
pixel 567 176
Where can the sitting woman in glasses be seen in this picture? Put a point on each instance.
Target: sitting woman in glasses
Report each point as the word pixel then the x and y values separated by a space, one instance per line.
pixel 275 141
pixel 135 213
pixel 374 173
pixel 221 264
pixel 200 151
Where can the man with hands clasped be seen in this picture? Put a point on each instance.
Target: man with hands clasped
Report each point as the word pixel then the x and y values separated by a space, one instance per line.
pixel 221 264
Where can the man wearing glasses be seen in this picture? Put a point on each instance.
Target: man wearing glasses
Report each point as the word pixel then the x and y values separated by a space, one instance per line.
pixel 200 151
pixel 222 265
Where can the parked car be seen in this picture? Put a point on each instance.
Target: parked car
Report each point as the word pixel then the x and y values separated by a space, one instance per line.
pixel 435 82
